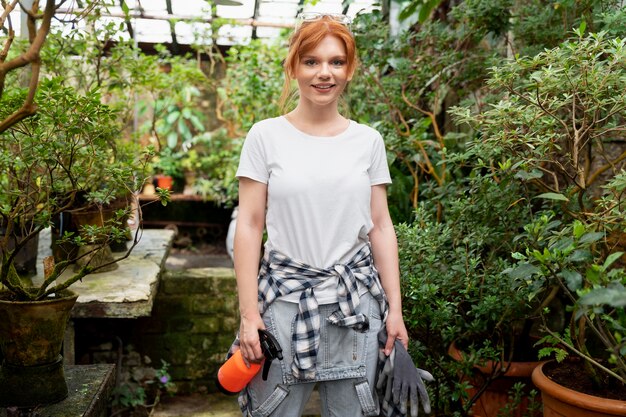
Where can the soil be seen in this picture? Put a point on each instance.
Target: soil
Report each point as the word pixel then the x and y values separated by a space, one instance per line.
pixel 571 374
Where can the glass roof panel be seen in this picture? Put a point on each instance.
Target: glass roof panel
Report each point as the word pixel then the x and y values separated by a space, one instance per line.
pixel 245 11
pixel 187 7
pixel 152 30
pixel 149 18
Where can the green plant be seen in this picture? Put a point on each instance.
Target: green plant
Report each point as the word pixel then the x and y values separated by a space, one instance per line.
pixel 28 55
pixel 251 86
pixel 517 395
pixel 559 126
pixel 140 386
pixel 571 259
pixel 455 290
pixel 179 122
pixel 50 162
pixel 168 162
pixel 410 78
pixel 157 95
pixel 213 157
pixel 247 93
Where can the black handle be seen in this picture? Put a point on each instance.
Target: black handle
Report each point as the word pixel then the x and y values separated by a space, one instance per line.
pixel 271 349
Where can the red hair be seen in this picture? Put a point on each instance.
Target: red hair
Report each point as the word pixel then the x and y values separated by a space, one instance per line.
pixel 306 38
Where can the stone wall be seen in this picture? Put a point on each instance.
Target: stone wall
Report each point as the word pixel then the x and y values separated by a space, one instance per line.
pixel 193 323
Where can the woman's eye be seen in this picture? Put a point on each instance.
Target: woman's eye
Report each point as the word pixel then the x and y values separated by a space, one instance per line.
pixel 338 62
pixel 309 62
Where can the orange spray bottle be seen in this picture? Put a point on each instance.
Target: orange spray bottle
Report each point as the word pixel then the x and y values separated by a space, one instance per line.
pixel 234 375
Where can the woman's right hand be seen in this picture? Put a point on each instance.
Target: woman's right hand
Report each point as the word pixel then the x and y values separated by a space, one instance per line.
pixel 249 337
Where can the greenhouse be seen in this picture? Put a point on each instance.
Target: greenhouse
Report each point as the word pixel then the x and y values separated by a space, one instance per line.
pixel 313 208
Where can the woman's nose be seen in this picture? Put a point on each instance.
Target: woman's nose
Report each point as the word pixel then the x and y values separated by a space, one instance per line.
pixel 324 70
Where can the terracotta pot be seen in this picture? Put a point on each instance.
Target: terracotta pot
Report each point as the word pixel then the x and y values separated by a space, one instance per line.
pixel 73 220
pixel 496 396
pixel 96 216
pixel 559 401
pixel 165 182
pixel 31 336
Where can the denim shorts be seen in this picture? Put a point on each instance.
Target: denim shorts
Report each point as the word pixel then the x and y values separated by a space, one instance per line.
pixel 346 367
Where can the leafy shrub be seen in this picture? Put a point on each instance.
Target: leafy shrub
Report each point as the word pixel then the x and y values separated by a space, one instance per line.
pixel 455 289
pixel 560 124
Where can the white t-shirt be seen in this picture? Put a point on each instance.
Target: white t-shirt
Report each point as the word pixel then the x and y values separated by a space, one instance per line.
pixel 319 191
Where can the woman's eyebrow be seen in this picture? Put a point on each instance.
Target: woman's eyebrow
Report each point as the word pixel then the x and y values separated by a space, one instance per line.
pixel 317 57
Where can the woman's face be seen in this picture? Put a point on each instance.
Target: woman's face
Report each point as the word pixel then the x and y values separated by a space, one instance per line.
pixel 322 73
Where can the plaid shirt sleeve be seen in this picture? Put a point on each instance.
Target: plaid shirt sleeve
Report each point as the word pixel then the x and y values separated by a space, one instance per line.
pixel 280 275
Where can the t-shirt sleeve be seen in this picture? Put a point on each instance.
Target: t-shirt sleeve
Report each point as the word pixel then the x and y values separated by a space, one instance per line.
pixel 379 170
pixel 252 162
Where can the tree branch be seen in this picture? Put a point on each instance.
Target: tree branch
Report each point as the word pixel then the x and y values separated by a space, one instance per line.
pixel 32 56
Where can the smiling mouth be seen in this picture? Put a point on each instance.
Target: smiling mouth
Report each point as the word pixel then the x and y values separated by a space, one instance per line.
pixel 323 87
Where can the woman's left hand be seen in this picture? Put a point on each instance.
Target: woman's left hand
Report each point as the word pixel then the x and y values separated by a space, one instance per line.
pixel 396 330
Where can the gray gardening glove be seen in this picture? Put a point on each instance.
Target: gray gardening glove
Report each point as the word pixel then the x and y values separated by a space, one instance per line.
pixel 408 383
pixel 384 383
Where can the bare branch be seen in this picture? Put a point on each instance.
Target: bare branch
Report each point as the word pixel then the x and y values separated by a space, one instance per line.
pixel 29 57
pixel 7 9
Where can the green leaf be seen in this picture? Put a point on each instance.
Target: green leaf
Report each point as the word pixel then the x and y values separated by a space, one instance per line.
pixel 581 28
pixel 228 3
pixel 184 130
pixel 427 8
pixel 579 229
pixel 396 62
pixel 525 175
pixel 553 196
pixel 409 10
pixel 523 271
pixel 195 121
pixel 615 296
pixel 611 258
pixel 172 117
pixel 580 255
pixel 563 244
pixel 172 140
pixel 591 237
pixel 573 279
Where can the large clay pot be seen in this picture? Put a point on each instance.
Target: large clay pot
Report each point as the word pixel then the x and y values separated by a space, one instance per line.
pixel 496 396
pixel 559 401
pixel 73 220
pixel 31 337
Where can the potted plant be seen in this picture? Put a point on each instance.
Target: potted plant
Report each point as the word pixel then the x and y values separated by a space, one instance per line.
pixel 168 169
pixel 573 259
pixel 559 126
pixel 468 324
pixel 48 161
pixel 209 166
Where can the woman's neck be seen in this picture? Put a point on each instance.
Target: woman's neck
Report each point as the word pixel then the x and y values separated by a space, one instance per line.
pixel 322 123
pixel 316 114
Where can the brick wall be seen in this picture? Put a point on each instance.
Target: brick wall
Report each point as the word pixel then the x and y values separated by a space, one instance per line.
pixel 193 323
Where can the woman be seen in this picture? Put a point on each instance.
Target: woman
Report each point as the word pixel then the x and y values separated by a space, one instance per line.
pixel 331 247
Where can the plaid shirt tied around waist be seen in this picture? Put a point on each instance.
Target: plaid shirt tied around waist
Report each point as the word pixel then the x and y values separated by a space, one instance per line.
pixel 279 275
